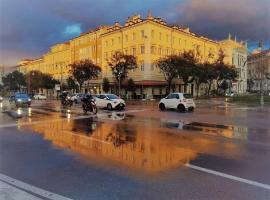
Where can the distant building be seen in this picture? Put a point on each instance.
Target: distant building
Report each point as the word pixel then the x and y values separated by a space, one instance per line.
pixel 259 61
pixel 148 40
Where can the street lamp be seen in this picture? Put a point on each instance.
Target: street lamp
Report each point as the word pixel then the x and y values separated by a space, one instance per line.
pixel 29 81
pixel 119 82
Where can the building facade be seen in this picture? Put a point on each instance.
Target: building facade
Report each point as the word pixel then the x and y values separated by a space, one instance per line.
pixel 148 40
pixel 259 70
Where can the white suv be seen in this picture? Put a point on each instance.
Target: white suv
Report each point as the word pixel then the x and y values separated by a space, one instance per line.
pixel 180 101
pixel 109 101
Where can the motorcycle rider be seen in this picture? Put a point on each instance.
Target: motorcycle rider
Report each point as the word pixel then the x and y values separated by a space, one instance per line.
pixel 88 102
pixel 64 98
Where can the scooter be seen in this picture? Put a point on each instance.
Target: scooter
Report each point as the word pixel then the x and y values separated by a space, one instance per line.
pixel 89 105
pixel 66 101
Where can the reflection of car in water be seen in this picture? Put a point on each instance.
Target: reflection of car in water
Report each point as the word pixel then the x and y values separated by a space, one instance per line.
pixel 20 99
pixel 206 128
pixel 113 116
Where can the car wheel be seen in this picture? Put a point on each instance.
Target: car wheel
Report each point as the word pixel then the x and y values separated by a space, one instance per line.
pixel 162 106
pixel 181 108
pixel 109 106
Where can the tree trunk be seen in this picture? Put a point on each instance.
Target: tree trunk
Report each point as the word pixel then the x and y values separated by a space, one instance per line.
pixel 169 87
pixel 209 88
pixel 197 89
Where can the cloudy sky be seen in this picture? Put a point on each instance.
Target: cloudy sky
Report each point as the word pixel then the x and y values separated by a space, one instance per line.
pixel 29 27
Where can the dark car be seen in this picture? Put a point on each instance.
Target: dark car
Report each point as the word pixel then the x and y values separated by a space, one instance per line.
pixel 20 99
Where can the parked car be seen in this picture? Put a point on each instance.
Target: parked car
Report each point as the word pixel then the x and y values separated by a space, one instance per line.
pixel 40 96
pixel 110 101
pixel 77 97
pixel 180 101
pixel 20 99
pixel 1 99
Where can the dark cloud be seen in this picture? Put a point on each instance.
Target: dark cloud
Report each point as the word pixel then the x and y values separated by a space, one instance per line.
pixel 247 19
pixel 29 27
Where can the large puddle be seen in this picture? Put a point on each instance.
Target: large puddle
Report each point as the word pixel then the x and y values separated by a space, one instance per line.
pixel 138 144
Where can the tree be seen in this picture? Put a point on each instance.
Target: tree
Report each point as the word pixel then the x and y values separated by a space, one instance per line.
pixel 14 80
pixel 106 85
pixel 187 62
pixel 84 70
pixel 169 67
pixel 250 84
pixel 261 73
pixel 224 86
pixel 224 72
pixel 210 76
pixel 120 65
pixel 131 86
pixel 200 76
pixel 34 80
pixel 71 84
pixel 48 82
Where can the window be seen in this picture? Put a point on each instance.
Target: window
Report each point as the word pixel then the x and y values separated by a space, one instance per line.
pixel 119 40
pixel 134 51
pixel 153 49
pixel 159 51
pixel 179 41
pixel 160 36
pixel 142 49
pixel 126 36
pixel 112 42
pixel 142 66
pixel 126 51
pixel 134 36
pixel 152 33
pixel 167 38
pixel 173 39
pixel 142 33
pixel 106 43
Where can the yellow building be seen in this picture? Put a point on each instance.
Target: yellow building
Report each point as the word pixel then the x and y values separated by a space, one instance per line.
pixel 148 39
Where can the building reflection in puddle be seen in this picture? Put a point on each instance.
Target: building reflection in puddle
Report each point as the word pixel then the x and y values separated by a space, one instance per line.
pixel 138 146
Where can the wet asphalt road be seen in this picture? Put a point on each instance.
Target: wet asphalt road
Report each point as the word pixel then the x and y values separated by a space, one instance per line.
pixel 141 153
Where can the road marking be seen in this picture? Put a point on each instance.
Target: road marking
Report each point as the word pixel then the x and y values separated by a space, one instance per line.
pixel 30 188
pixel 63 119
pixel 228 176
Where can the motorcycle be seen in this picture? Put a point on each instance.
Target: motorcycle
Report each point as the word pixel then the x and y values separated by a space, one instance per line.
pixel 88 104
pixel 66 100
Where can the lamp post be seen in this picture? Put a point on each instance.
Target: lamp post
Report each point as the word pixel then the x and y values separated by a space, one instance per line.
pixel 119 82
pixel 29 81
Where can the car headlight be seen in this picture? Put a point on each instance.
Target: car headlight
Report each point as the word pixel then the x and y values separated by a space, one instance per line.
pixel 29 99
pixel 19 100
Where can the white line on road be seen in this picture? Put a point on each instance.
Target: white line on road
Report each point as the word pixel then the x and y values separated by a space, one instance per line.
pixel 235 178
pixel 32 189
